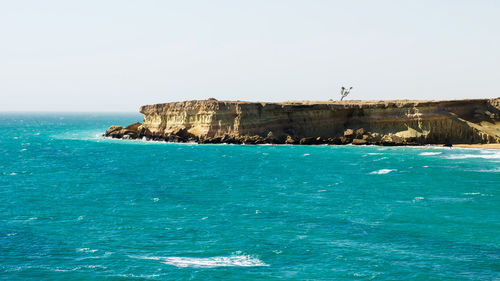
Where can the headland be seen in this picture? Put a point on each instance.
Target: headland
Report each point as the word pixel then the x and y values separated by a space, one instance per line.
pixel 386 122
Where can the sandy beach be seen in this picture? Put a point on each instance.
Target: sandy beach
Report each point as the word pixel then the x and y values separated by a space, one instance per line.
pixel 483 146
pixel 486 146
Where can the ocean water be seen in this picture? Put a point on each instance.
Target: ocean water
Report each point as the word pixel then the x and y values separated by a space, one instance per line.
pixel 75 206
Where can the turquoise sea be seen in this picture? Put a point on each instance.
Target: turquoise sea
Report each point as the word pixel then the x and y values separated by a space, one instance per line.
pixel 75 206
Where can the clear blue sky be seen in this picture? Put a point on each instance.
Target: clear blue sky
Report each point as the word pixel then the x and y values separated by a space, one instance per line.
pixel 117 55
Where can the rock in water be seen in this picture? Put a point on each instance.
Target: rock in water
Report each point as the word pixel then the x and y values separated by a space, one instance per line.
pixel 114 132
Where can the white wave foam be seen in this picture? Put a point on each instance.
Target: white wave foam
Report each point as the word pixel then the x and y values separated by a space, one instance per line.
pixel 77 268
pixel 86 250
pixel 449 199
pixel 497 170
pixel 94 257
pixel 382 171
pixel 235 260
pixel 142 276
pixel 97 266
pixel 429 153
pixel 418 198
pixel 494 155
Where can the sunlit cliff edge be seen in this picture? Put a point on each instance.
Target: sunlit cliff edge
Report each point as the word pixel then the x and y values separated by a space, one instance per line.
pixel 392 122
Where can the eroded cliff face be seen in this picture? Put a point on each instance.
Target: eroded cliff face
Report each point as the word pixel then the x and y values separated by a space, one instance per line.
pixel 358 122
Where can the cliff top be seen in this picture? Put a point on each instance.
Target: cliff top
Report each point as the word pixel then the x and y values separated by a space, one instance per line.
pixel 342 103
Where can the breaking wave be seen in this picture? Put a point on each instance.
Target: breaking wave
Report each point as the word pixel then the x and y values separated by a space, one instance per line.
pixel 497 170
pixel 494 155
pixel 429 153
pixel 382 171
pixel 236 260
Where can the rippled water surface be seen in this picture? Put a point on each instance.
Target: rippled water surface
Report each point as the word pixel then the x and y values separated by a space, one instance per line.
pixel 76 206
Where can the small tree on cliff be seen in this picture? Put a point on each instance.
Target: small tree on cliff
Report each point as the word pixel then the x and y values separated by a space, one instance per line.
pixel 344 92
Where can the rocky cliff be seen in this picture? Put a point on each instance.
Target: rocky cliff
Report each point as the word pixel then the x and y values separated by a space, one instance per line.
pixel 399 122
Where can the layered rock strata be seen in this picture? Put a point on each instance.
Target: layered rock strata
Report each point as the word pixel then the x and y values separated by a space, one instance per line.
pixel 399 122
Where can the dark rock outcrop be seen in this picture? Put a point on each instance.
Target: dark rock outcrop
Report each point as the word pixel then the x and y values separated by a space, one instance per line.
pixel 114 132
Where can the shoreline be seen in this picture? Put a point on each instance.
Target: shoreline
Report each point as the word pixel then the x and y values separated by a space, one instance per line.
pixel 483 146
pixel 469 146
